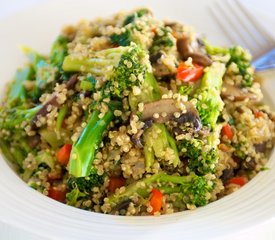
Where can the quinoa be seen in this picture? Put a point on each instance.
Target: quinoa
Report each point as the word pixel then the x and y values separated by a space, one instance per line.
pixel 104 143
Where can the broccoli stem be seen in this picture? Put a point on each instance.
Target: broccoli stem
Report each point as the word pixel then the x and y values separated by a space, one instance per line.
pixel 61 115
pixel 99 65
pixel 17 94
pixel 84 150
pixel 12 118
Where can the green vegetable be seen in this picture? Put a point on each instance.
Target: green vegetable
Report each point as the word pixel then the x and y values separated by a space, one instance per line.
pixel 157 141
pixel 60 118
pixel 45 75
pixel 209 103
pixel 17 93
pixel 51 138
pixel 84 150
pixel 137 14
pixel 126 64
pixel 162 40
pixel 185 90
pixel 59 51
pixel 238 56
pixel 193 189
pixel 79 188
pixel 12 118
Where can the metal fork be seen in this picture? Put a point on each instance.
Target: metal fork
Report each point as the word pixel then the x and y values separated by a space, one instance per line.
pixel 243 29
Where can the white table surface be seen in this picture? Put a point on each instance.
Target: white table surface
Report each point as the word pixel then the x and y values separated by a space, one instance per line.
pixel 266 8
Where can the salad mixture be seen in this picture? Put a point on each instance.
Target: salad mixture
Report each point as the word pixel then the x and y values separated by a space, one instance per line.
pixel 131 115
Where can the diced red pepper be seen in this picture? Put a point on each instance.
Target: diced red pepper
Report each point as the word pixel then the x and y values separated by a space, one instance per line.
pixel 156 200
pixel 115 182
pixel 63 154
pixel 258 114
pixel 227 131
pixel 237 180
pixel 189 73
pixel 57 194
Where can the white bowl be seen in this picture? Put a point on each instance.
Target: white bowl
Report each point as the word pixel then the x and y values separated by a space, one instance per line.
pixel 26 209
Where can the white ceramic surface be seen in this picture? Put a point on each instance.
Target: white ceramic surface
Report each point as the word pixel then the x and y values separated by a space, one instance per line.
pixel 26 209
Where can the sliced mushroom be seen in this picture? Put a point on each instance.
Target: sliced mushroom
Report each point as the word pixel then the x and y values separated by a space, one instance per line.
pixel 261 147
pixel 235 93
pixel 200 58
pixel 186 50
pixel 33 141
pixel 164 110
pixel 227 174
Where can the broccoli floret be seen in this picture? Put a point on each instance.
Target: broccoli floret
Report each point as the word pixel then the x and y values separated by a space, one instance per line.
pixel 185 90
pixel 85 184
pixel 209 103
pixel 17 94
pixel 122 39
pixel 162 40
pixel 123 67
pixel 238 56
pixel 130 27
pixel 242 59
pixel 80 188
pixel 137 14
pixel 12 118
pixel 192 188
pixel 45 73
pixel 201 158
pixel 59 51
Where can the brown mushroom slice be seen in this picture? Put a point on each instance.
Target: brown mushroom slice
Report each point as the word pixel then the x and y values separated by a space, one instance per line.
pixel 163 110
pixel 183 46
pixel 200 58
pixel 235 93
pixel 185 50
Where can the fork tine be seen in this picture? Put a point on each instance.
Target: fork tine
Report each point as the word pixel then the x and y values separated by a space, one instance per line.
pixel 240 26
pixel 247 26
pixel 224 25
pixel 233 27
pixel 257 26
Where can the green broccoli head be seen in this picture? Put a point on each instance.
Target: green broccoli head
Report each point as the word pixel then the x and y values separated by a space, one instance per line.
pixel 12 118
pixel 209 106
pixel 196 191
pixel 201 158
pixel 242 59
pixel 162 40
pixel 80 188
pixel 59 51
pixel 122 67
pixel 130 70
pixel 130 27
pixel 137 14
pixel 85 184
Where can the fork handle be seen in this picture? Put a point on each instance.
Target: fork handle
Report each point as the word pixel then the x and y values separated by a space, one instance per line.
pixel 267 61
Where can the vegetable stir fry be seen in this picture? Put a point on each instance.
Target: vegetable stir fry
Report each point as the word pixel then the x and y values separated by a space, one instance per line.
pixel 131 115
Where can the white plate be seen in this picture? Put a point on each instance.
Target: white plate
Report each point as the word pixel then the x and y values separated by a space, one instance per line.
pixel 24 208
